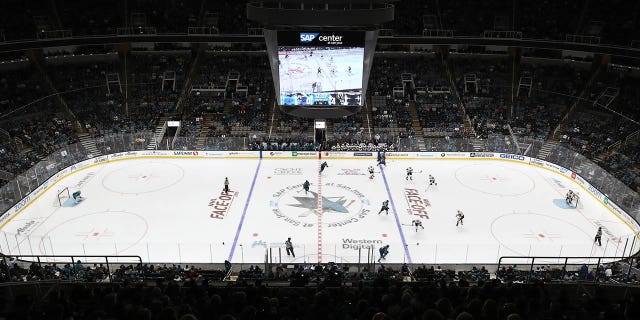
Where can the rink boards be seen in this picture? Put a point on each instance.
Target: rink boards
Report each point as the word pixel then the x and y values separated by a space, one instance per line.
pixel 167 206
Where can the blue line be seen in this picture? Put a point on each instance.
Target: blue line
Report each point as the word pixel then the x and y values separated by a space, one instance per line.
pixel 244 211
pixel 395 214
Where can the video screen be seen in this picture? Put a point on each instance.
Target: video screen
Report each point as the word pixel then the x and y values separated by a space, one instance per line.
pixel 322 69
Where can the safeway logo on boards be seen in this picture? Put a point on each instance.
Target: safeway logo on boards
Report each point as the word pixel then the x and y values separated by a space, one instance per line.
pixel 185 153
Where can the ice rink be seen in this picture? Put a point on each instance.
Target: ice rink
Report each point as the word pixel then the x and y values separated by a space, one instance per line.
pixel 340 69
pixel 174 210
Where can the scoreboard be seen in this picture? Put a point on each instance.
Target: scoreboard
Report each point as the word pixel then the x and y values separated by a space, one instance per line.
pixel 320 69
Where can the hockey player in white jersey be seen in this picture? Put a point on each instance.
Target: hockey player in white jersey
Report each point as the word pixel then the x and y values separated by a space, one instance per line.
pixel 572 198
pixel 409 174
pixel 371 172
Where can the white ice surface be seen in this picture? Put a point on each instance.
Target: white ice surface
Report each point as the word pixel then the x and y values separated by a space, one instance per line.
pixel 160 209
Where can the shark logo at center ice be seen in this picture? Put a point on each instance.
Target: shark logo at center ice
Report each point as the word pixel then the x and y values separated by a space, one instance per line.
pixel 312 204
pixel 341 205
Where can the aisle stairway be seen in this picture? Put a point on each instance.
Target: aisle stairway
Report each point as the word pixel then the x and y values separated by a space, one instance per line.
pixel 159 132
pixel 207 120
pixel 477 144
pixel 89 144
pixel 546 149
pixel 415 125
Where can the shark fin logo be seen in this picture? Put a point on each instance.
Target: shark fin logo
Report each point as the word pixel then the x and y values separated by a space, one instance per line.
pixel 341 205
pixel 311 204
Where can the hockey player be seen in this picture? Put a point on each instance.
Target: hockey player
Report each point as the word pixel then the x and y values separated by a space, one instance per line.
pixel 409 174
pixel 417 223
pixel 384 251
pixel 382 158
pixel 76 196
pixel 385 207
pixel 598 237
pixel 322 166
pixel 305 186
pixel 319 71
pixel 371 172
pixel 226 185
pixel 569 197
pixel 460 217
pixel 432 181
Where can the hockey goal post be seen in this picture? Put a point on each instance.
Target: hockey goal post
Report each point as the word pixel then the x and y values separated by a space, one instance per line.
pixel 62 196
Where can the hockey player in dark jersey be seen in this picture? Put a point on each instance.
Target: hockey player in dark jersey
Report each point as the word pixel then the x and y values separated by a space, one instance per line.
pixel 305 186
pixel 385 207
pixel 384 251
pixel 432 181
pixel 382 159
pixel 322 166
pixel 417 223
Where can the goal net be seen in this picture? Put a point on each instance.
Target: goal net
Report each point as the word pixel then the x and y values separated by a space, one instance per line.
pixel 62 196
pixel 574 200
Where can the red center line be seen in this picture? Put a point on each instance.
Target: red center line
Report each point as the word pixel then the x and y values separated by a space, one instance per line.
pixel 319 209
